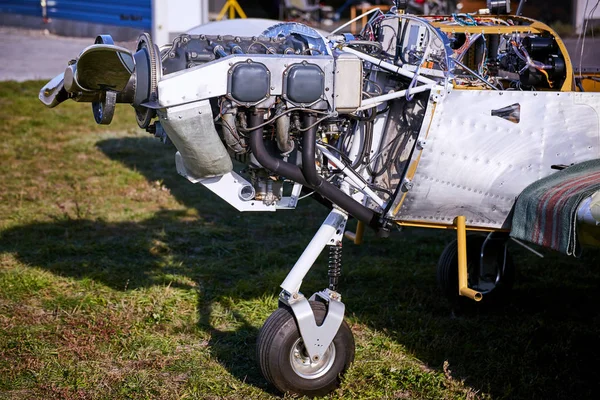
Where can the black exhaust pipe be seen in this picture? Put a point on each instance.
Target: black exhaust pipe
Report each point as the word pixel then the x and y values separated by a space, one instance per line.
pixel 309 168
pixel 294 173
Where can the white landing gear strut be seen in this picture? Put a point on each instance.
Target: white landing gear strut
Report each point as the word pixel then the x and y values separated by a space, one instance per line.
pixel 316 338
pixel 305 346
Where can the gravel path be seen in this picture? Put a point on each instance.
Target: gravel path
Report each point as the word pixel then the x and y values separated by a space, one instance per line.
pixel 34 54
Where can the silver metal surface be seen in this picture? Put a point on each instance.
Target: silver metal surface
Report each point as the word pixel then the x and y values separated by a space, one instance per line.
pixel 476 164
pixel 48 94
pixel 585 213
pixel 317 339
pixel 191 129
pixel 229 187
pixel 347 83
pixel 104 66
pixel 210 79
pixel 237 191
pixel 304 367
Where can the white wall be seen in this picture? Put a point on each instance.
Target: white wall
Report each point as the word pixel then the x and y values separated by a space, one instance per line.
pixel 580 10
pixel 176 16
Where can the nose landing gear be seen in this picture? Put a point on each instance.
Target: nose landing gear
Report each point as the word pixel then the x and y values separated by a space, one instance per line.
pixel 305 346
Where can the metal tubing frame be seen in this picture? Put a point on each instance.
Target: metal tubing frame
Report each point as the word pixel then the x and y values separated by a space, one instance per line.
pixel 376 101
pixel 353 177
pixel 386 65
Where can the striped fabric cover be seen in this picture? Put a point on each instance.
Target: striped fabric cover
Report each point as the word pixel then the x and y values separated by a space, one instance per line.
pixel 546 211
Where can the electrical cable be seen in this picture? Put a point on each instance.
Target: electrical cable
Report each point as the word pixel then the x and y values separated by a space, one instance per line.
pixel 281 115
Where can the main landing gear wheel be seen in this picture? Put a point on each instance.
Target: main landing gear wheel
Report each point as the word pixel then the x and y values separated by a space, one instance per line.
pixel 494 281
pixel 285 363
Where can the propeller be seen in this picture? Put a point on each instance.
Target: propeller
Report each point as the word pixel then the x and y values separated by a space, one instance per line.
pixel 105 74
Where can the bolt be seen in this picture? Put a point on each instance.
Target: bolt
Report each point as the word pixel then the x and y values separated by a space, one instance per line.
pixel 295 295
pixel 316 358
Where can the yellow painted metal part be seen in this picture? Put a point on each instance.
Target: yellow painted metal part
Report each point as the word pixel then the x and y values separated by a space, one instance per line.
pixel 463 282
pixel 488 30
pixel 428 225
pixel 357 237
pixel 590 81
pixel 569 84
pixel 232 6
pixel 412 168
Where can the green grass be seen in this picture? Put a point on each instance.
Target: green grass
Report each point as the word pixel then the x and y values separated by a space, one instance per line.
pixel 119 279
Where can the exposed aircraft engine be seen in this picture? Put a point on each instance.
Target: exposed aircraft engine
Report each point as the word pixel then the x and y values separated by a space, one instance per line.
pixel 437 122
pixel 341 117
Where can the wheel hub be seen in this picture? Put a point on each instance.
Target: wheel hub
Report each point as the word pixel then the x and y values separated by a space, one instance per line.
pixel 307 369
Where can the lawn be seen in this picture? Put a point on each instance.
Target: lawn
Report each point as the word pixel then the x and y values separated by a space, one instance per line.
pixel 119 279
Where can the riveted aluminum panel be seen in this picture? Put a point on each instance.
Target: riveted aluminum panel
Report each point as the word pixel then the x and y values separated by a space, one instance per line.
pixel 476 164
pixel 22 7
pixel 129 13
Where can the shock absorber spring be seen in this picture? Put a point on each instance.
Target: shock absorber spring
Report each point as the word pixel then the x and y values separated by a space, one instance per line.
pixel 335 266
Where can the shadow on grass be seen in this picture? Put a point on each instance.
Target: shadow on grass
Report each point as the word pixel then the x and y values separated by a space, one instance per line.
pixel 542 344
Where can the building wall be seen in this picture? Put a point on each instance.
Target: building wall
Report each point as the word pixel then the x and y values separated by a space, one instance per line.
pixel 581 14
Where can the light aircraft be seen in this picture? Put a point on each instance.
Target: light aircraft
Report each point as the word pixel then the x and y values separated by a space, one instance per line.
pixel 472 122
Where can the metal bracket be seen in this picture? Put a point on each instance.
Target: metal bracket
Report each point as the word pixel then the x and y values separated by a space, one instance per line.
pixel 317 338
pixel 488 270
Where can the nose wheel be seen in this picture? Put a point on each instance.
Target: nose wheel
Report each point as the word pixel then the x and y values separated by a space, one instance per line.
pixel 285 363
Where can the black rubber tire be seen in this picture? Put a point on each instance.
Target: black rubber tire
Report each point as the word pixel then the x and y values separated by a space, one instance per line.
pixel 274 345
pixel 447 272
